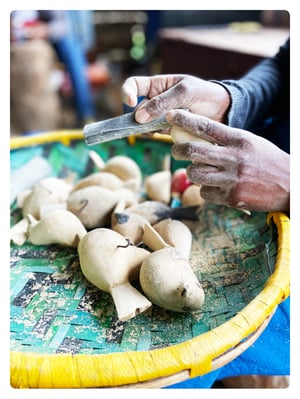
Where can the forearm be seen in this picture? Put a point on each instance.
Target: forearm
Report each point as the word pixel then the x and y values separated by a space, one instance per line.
pixel 252 97
pixel 263 91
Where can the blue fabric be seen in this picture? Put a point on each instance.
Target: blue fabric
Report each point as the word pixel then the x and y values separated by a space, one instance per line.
pixel 82 28
pixel 71 54
pixel 263 93
pixel 261 99
pixel 269 355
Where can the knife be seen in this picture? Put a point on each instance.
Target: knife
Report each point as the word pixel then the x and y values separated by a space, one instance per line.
pixel 120 127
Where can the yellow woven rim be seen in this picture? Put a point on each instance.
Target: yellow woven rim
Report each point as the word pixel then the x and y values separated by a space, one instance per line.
pixel 195 355
pixel 66 136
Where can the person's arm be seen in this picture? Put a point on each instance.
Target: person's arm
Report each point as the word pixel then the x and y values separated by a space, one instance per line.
pixel 165 92
pixel 248 100
pixel 261 93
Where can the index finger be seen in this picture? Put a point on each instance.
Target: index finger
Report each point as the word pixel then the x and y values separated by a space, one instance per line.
pixel 203 127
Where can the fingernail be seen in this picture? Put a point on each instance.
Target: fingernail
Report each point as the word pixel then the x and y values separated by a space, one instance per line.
pixel 142 115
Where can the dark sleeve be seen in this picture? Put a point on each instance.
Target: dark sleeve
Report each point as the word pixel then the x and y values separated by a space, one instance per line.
pixel 262 93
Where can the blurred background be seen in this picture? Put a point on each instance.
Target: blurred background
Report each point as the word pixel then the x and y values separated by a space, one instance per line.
pixel 67 67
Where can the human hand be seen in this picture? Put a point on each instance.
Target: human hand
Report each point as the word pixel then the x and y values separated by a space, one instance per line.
pixel 167 92
pixel 243 170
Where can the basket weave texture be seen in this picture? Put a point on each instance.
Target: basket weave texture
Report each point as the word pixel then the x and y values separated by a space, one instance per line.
pixel 60 322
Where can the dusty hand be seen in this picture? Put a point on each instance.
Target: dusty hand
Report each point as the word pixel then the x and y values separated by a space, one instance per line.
pixel 166 92
pixel 243 170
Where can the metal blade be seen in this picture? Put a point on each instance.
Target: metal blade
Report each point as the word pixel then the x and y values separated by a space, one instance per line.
pixel 120 127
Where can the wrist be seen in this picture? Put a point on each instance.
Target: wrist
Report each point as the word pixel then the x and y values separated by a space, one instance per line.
pixel 222 97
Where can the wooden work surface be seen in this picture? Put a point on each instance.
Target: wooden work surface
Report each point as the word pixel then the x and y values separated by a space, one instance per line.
pixel 218 53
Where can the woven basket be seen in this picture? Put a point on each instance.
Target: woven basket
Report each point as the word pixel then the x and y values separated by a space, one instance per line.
pixel 64 331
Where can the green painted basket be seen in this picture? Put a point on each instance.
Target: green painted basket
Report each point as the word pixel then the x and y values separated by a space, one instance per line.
pixel 64 332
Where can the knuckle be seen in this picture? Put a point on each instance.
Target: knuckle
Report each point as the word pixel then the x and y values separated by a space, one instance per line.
pixel 182 89
pixel 182 151
pixel 156 105
pixel 205 126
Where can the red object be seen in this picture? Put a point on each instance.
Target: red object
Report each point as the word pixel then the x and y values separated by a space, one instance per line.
pixel 30 24
pixel 98 74
pixel 179 181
